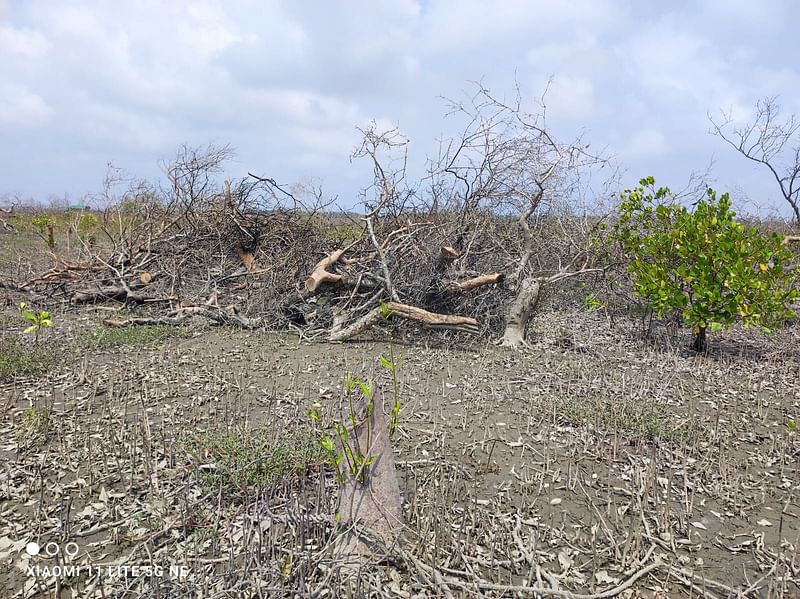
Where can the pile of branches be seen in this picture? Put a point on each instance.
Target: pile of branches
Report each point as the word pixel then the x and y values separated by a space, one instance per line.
pixel 468 248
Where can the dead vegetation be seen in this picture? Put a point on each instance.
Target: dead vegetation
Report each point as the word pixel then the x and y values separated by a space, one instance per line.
pixel 599 469
pixel 499 221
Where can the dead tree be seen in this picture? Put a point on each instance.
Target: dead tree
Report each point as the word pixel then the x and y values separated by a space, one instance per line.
pixel 7 226
pixel 508 166
pixel 771 142
pixel 400 273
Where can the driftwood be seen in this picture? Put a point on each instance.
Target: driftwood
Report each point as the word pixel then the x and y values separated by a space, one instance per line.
pixel 339 332
pixel 376 503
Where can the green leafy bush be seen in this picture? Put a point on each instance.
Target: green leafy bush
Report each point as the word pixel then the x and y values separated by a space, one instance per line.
pixel 44 224
pixel 703 262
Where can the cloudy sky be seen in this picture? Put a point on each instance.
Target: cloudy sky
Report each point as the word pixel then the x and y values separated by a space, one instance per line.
pixel 286 83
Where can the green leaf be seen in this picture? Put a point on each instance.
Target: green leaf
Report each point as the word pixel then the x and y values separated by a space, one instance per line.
pixel 326 443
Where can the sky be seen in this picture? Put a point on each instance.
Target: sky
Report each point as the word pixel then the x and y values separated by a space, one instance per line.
pixel 287 83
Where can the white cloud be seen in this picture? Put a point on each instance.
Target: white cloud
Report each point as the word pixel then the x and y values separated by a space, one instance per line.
pixel 24 42
pixel 286 82
pixel 568 97
pixel 22 108
pixel 648 143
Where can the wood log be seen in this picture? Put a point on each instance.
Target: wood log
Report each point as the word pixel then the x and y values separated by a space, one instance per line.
pixel 429 319
pixel 320 273
pixel 479 281
pixel 790 238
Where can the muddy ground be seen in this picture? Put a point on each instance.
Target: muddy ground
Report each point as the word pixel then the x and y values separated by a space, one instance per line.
pixel 592 462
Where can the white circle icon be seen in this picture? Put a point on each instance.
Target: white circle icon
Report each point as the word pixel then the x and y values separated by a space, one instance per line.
pixel 32 548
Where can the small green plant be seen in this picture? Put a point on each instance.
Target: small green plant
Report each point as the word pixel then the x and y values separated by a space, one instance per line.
pixel 593 303
pixel 39 320
pixel 347 458
pixel 34 429
pixel 286 568
pixel 242 460
pixel 703 263
pixel 339 440
pixel 44 226
pixel 18 359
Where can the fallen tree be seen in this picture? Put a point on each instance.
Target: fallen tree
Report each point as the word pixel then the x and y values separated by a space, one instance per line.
pixel 340 332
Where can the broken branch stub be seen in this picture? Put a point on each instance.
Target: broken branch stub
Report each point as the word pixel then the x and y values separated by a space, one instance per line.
pixel 479 281
pixel 320 273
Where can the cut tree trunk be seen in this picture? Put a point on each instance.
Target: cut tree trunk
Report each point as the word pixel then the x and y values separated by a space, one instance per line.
pixel 519 312
pixel 464 323
pixel 375 505
pixel 700 341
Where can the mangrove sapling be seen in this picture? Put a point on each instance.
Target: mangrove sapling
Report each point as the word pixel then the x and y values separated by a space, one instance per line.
pixel 39 320
pixel 349 460
pixel 391 365
pixel 703 263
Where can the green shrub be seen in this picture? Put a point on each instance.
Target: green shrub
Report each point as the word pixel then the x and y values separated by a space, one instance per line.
pixel 86 224
pixel 703 263
pixel 44 224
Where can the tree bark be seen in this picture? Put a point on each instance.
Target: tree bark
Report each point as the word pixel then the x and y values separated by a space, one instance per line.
pixel 700 341
pixel 519 312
